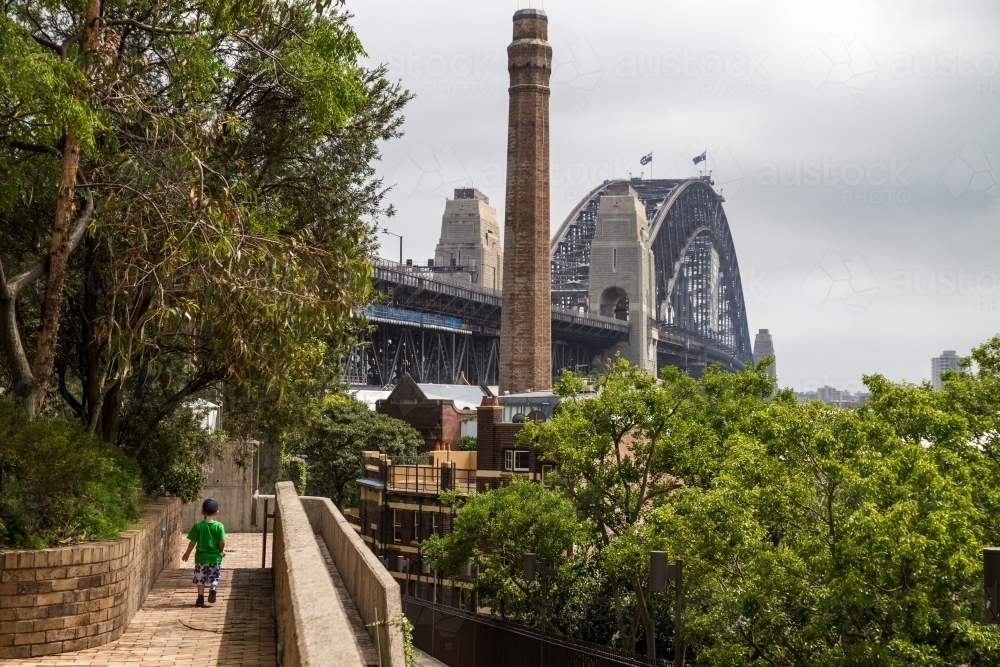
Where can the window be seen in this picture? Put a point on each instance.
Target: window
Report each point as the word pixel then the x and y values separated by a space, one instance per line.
pixel 614 260
pixel 516 460
pixel 436 524
pixel 397 526
pixel 416 526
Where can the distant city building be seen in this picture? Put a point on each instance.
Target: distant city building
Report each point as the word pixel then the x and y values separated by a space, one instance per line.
pixel 834 396
pixel 948 361
pixel 763 346
pixel 470 239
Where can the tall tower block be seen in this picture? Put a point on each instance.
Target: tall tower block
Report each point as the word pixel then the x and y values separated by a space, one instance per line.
pixel 526 320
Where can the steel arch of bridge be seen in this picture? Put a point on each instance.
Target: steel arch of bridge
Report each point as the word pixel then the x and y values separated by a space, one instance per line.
pixel 699 295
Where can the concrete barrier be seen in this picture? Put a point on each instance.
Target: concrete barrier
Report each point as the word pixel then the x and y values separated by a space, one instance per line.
pixel 82 596
pixel 372 588
pixel 313 626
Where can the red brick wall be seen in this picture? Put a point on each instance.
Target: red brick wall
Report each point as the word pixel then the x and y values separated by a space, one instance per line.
pixel 77 597
pixel 437 421
pixel 494 437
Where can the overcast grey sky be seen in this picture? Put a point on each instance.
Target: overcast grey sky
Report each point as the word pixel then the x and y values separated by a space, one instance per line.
pixel 855 142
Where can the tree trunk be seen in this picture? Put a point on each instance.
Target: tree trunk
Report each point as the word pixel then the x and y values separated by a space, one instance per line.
pixel 648 625
pixel 111 408
pixel 60 245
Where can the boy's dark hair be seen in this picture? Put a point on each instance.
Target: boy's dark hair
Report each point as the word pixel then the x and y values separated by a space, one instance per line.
pixel 210 506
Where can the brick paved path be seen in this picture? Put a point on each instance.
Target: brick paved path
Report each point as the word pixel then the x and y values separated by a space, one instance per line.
pixel 170 631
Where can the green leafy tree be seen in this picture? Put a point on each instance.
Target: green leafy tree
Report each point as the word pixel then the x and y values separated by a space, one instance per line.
pixel 835 537
pixel 343 430
pixel 184 190
pixel 614 453
pixel 495 529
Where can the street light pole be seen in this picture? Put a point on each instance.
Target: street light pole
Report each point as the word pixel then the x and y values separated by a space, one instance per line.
pixel 400 236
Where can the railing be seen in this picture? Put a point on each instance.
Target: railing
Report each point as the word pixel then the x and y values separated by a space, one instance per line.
pixel 402 275
pixel 431 479
pixel 465 639
pixel 419 474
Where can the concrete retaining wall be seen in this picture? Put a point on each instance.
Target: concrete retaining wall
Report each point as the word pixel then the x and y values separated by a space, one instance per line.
pixel 81 596
pixel 232 486
pixel 369 583
pixel 313 627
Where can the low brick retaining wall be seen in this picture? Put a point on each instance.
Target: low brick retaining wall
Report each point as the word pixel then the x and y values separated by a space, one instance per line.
pixel 81 596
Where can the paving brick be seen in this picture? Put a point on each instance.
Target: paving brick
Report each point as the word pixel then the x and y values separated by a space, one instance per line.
pixel 168 630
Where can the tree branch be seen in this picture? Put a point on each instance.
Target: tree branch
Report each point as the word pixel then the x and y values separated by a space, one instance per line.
pixel 148 28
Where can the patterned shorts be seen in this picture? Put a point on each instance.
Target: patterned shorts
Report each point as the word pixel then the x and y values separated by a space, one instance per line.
pixel 207 573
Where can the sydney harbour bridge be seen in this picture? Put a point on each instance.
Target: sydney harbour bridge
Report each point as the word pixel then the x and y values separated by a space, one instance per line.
pixel 438 328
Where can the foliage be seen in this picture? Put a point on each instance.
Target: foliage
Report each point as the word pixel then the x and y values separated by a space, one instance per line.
pixel 519 518
pixel 467 443
pixel 810 534
pixel 407 628
pixel 59 484
pixel 187 207
pixel 342 431
pixel 172 461
pixel 613 452
pixel 296 468
pixel 827 538
pixel 225 154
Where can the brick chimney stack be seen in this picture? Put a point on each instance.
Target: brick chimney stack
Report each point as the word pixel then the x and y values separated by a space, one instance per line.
pixel 526 320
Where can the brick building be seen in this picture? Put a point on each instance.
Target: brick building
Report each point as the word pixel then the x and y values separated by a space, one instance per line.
pixel 437 411
pixel 399 500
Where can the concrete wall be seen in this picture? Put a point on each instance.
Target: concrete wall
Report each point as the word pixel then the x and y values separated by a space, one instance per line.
pixel 372 588
pixel 231 485
pixel 313 627
pixel 81 596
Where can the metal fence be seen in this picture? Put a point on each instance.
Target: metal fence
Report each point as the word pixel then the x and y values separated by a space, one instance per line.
pixel 464 639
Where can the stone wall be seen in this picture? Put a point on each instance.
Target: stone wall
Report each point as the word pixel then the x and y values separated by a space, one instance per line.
pixel 81 596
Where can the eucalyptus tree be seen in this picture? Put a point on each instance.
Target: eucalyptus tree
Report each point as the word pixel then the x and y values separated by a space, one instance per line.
pixel 187 199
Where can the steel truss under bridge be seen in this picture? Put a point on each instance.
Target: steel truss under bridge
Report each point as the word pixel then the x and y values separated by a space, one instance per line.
pixel 388 351
pixel 699 296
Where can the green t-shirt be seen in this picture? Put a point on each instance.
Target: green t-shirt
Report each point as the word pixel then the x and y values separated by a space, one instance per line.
pixel 208 534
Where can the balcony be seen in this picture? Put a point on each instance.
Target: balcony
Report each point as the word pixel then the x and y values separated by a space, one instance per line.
pixel 429 473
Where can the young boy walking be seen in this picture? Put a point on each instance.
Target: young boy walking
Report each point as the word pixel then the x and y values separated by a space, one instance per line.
pixel 209 536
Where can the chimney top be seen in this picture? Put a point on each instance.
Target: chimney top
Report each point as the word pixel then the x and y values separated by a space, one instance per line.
pixel 530 14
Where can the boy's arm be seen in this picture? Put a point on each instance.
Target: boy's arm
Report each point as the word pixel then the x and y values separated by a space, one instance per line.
pixel 222 547
pixel 191 545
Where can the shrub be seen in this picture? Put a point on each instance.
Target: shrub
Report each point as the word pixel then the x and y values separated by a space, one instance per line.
pixel 59 484
pixel 171 463
pixel 467 443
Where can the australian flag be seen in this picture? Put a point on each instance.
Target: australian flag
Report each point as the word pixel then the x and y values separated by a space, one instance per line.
pixel 700 158
pixel 646 159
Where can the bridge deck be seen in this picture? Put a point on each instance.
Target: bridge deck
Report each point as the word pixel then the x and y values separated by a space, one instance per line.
pixel 169 630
